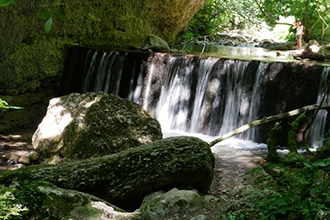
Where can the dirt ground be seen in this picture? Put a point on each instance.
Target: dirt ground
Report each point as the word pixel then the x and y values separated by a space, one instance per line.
pixel 18 143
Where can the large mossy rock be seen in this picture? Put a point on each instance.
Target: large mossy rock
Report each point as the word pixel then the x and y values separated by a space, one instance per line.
pixel 30 56
pixel 79 126
pixel 61 203
pixel 71 204
pixel 32 60
pixel 125 178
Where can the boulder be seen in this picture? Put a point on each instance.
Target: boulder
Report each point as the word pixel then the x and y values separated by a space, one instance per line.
pixel 112 23
pixel 156 44
pixel 312 50
pixel 125 178
pixel 325 50
pixel 59 203
pixel 177 204
pixel 79 126
pixel 32 60
pixel 70 204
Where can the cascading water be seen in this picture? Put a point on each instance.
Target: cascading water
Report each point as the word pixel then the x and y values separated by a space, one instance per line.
pixel 319 124
pixel 256 99
pixel 210 96
pixel 212 101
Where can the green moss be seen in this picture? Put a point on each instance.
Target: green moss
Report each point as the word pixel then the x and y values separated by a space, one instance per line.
pixel 272 140
pixel 292 144
pixel 87 213
pixel 25 69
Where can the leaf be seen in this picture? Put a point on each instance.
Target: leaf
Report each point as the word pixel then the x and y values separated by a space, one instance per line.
pixel 44 14
pixel 60 16
pixel 308 165
pixel 3 103
pixel 322 163
pixel 5 2
pixel 49 25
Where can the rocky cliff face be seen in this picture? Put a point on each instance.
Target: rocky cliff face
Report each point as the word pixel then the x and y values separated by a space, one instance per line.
pixel 31 60
pixel 29 55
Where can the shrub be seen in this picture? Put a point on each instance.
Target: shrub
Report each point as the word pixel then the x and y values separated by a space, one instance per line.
pixel 9 208
pixel 284 192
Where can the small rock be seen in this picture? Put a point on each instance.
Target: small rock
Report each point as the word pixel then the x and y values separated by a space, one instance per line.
pixel 34 156
pixel 24 159
pixel 12 158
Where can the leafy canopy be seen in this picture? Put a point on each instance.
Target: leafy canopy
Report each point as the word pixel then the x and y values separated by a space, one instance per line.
pixel 219 15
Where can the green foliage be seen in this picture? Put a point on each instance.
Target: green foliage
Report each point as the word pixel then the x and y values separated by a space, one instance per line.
pixel 242 203
pixel 303 192
pixel 9 208
pixel 51 14
pixel 313 13
pixel 28 194
pixel 6 2
pixel 218 15
pixel 283 192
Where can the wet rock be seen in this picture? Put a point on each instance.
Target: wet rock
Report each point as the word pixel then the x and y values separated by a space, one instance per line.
pixel 312 50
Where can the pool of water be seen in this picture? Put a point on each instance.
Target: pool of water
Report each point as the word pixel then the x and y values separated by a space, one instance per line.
pixel 243 52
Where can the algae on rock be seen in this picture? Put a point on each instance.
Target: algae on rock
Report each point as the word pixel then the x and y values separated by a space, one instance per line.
pixel 30 57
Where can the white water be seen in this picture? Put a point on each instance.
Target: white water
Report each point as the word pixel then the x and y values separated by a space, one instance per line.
pixel 184 109
pixel 318 127
pixel 237 103
pixel 220 101
pixel 199 110
pixel 171 110
pixel 231 144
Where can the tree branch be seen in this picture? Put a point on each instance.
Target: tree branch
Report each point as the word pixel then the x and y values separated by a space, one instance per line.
pixel 268 119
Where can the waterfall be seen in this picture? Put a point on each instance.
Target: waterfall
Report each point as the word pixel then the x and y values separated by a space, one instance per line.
pixel 210 95
pixel 256 99
pixel 319 124
pixel 173 107
pixel 216 100
pixel 114 72
pixel 107 77
pixel 205 88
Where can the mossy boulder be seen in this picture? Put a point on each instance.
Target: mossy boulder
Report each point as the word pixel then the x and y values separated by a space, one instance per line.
pixel 79 126
pixel 155 43
pixel 125 178
pixel 182 204
pixel 71 204
pixel 29 55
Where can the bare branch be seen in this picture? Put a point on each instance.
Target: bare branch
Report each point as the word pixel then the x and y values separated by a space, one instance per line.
pixel 269 119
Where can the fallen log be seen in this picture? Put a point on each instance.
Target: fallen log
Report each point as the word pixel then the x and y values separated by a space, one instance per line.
pixel 124 178
pixel 268 119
